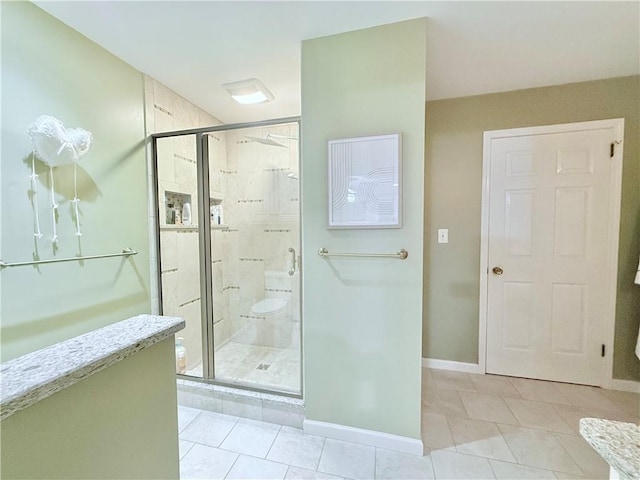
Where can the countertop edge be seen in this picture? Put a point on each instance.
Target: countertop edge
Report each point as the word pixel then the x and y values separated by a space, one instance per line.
pixel 609 439
pixel 66 363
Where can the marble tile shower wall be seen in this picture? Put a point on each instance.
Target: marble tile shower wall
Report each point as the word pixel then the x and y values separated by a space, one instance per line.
pixel 219 254
pixel 262 208
pixel 167 111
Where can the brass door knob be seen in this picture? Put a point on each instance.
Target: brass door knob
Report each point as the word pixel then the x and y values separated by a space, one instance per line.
pixel 497 271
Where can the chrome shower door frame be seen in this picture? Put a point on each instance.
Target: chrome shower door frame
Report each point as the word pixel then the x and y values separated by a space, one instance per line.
pixel 204 242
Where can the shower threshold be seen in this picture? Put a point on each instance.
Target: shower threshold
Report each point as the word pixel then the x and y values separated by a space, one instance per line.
pixel 266 407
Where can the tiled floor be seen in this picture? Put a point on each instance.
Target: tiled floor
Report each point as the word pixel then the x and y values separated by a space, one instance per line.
pixel 473 427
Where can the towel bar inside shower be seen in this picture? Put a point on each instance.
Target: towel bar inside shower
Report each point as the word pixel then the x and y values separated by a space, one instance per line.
pixel 401 254
pixel 126 251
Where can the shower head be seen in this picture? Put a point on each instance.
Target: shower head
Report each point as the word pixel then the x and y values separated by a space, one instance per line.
pixel 265 141
pixel 293 175
pixel 284 137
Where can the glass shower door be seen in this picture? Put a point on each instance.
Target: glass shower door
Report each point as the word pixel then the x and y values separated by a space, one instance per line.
pixel 255 243
pixel 228 203
pixel 179 256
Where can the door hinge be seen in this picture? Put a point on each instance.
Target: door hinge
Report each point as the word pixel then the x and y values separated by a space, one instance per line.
pixel 613 147
pixel 603 349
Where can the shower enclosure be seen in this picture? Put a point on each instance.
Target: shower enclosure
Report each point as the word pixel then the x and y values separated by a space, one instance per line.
pixel 228 204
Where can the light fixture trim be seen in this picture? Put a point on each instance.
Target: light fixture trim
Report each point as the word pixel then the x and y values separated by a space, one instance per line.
pixel 249 92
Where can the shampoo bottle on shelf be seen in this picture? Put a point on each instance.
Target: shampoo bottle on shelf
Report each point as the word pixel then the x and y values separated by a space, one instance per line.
pixel 186 214
pixel 181 356
pixel 215 215
pixel 171 214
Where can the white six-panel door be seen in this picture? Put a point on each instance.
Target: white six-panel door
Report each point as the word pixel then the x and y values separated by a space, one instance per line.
pixel 549 274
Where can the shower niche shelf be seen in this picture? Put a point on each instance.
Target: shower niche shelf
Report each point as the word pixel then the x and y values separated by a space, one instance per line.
pixel 173 204
pixel 217 214
pixel 190 228
pixel 181 228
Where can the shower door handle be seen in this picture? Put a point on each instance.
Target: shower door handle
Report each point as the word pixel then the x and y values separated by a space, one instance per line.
pixel 292 251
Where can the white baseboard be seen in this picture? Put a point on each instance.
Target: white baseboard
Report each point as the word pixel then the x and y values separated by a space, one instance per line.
pixel 624 385
pixel 365 437
pixel 451 365
pixel 613 384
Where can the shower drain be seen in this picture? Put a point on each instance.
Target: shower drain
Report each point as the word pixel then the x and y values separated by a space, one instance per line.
pixel 263 366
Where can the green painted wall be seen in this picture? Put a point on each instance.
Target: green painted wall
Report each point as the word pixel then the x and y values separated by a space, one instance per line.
pixel 48 68
pixel 362 317
pixel 453 178
pixel 119 423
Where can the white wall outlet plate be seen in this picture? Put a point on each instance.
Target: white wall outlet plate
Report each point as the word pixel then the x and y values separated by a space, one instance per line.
pixel 443 235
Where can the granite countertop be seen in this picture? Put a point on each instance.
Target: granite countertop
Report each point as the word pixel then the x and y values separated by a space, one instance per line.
pixel 617 442
pixel 35 376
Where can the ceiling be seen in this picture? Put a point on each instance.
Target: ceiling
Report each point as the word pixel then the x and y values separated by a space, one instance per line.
pixel 472 47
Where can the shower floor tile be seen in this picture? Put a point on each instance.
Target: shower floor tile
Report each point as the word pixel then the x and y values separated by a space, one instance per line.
pixel 263 367
pixel 240 362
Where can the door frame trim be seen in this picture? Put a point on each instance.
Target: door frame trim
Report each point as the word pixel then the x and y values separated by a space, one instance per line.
pixel 613 228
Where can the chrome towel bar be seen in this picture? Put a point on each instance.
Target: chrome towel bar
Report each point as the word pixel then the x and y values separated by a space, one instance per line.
pixel 126 251
pixel 401 254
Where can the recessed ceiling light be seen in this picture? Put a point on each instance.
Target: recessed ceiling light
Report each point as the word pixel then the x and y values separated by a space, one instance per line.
pixel 249 91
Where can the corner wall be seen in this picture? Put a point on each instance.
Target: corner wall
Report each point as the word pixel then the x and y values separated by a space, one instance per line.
pixel 48 68
pixel 453 182
pixel 362 317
